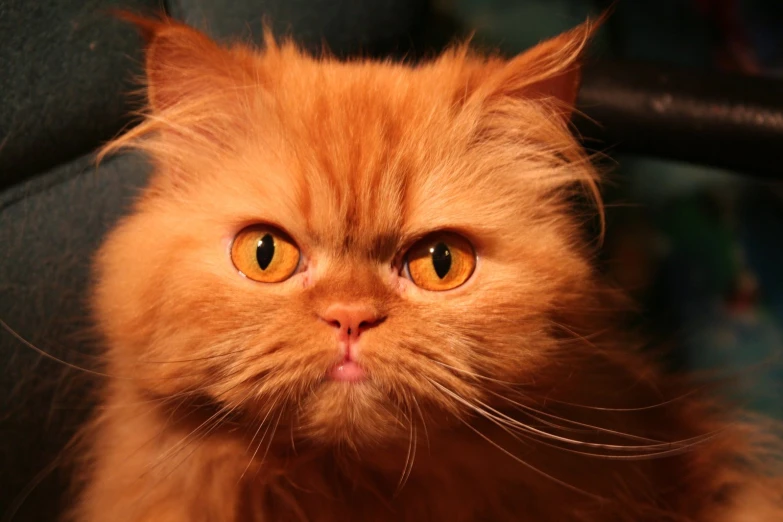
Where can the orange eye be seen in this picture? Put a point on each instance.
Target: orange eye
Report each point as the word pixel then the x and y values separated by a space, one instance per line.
pixel 441 261
pixel 264 254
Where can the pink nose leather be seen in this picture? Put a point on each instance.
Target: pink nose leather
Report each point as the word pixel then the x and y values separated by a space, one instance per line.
pixel 351 320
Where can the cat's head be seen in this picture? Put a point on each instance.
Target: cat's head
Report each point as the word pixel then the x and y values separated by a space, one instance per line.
pixel 348 243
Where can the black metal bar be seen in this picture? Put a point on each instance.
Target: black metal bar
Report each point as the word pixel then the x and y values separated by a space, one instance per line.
pixel 726 121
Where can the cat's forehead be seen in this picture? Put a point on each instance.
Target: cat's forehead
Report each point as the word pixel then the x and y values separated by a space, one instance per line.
pixel 365 158
pixel 370 155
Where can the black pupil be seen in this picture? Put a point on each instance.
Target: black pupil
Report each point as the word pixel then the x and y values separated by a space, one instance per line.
pixel 265 251
pixel 441 259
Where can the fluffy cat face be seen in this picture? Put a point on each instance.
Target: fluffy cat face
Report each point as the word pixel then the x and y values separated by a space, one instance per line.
pixel 345 168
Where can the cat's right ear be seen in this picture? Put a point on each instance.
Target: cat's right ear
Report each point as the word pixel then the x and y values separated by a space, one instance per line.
pixel 548 71
pixel 181 63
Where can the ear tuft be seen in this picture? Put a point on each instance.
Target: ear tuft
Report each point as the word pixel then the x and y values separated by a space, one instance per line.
pixel 180 61
pixel 550 70
pixel 148 27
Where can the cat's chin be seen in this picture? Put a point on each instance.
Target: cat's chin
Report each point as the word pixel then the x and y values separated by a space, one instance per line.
pixel 354 412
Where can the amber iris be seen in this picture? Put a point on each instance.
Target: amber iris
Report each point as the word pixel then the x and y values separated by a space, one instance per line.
pixel 441 261
pixel 265 254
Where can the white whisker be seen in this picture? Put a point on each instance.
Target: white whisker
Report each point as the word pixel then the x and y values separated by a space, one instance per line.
pixel 258 447
pixel 508 453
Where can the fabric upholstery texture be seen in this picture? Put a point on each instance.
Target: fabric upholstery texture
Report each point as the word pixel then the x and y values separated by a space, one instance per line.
pixel 66 70
pixel 50 228
pixel 352 27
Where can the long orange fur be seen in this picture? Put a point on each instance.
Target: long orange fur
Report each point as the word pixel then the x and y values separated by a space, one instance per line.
pixel 513 397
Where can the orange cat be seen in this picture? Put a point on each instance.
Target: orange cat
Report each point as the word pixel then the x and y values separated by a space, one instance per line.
pixel 358 292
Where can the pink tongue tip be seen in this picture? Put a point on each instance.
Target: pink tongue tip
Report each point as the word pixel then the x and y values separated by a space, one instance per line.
pixel 347 371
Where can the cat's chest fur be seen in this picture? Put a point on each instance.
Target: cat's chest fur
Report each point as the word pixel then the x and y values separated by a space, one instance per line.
pixel 465 479
pixel 155 473
pixel 330 488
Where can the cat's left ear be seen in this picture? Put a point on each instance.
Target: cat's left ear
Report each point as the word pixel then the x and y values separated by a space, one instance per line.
pixel 183 64
pixel 551 70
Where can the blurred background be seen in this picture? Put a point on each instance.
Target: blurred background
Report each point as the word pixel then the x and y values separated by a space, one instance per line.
pixel 687 102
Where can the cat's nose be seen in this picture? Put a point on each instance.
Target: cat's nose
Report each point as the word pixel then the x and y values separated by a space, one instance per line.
pixel 351 320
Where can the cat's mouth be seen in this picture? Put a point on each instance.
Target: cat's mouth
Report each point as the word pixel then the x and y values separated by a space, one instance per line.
pixel 347 371
pixel 347 368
